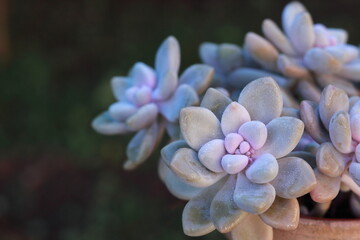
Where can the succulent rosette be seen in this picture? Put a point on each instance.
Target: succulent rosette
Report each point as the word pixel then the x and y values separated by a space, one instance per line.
pixel 234 157
pixel 335 124
pixel 305 48
pixel 149 100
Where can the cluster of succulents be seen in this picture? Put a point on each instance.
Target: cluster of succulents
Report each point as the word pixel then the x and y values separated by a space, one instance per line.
pixel 279 120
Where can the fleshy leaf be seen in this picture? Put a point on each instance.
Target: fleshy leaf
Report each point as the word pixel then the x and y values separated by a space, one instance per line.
pixel 142 145
pixel 233 117
pixel 295 178
pixel 198 76
pixel 223 211
pixel 121 110
pixel 283 214
pixel 142 74
pixel 261 50
pixel 198 126
pixel 354 170
pixel 291 67
pixel 263 170
pixel 175 185
pixel 208 53
pixel 340 132
pixel 262 99
pixel 251 228
pixel 321 61
pixel 186 165
pixel 168 152
pixel 332 100
pixel 168 57
pixel 196 218
pixel 289 13
pixel 277 37
pixel 211 153
pixel 301 32
pixel 255 133
pixel 215 101
pixel 330 161
pixel 105 124
pixel 310 116
pixel 252 197
pixel 284 134
pixel 144 117
pixel 184 96
pixel 326 188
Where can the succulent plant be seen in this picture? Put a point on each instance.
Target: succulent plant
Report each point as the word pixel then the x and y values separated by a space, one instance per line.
pixel 306 50
pixel 334 123
pixel 236 152
pixel 149 100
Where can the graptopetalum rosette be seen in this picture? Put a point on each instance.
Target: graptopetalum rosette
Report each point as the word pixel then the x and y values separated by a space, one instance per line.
pixel 148 99
pixel 234 155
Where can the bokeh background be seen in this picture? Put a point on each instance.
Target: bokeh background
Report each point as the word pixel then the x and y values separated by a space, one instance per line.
pixel 59 180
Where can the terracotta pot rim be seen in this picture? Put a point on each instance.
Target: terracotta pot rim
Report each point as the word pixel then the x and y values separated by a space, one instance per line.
pixel 309 218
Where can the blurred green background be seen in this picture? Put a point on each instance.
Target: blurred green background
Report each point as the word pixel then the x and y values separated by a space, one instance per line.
pixel 58 178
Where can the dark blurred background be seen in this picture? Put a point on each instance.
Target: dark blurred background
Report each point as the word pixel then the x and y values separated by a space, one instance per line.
pixel 59 179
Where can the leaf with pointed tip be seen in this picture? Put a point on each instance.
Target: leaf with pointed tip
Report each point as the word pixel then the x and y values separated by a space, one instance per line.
pixel 252 197
pixel 284 134
pixel 196 218
pixel 215 101
pixel 329 161
pixel 277 37
pixel 340 132
pixel 168 57
pixel 144 117
pixel 176 186
pixel 166 85
pixel 301 32
pixel 332 100
pixel 295 178
pixel 251 228
pixel 142 145
pixel 310 116
pixel 262 99
pixel 223 211
pixel 233 117
pixel 263 170
pixel 289 13
pixel 211 153
pixel 183 96
pixel 168 152
pixel 326 188
pixel 198 126
pixel 261 50
pixel 141 74
pixel 283 214
pixel 185 164
pixel 198 76
pixel 105 124
pixel 254 132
